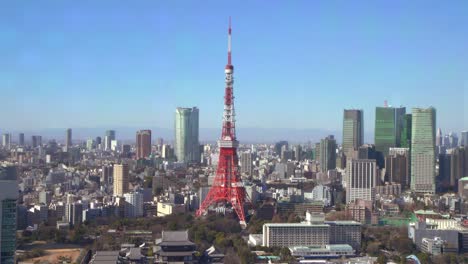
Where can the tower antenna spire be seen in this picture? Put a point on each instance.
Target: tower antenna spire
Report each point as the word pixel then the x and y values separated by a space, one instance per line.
pixel 229 42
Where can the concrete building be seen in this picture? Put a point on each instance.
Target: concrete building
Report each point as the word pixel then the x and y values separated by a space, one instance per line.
pixel 313 232
pixel 134 204
pixel 21 139
pixel 451 231
pixel 6 140
pixel 433 246
pixel 397 166
pixel 423 150
pixel 164 209
pixel 36 141
pixel 353 130
pixel 328 153
pixel 246 164
pixel 464 138
pixel 361 180
pixel 121 179
pixel 8 208
pixel 326 252
pixel 143 144
pixel 68 139
pixel 463 188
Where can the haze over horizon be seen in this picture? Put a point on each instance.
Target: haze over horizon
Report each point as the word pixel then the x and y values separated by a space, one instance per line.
pixel 104 64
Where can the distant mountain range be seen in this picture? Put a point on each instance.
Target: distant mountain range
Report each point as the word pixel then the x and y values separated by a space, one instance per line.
pixel 244 135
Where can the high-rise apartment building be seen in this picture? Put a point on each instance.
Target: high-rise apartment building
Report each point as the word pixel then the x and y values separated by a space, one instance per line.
pixel 6 140
pixel 361 180
pixel 21 139
pixel 246 163
pixel 143 144
pixel 133 204
pixel 109 137
pixel 389 123
pixel 353 130
pixel 68 139
pixel 186 135
pixel 121 179
pixel 397 166
pixel 328 153
pixel 8 201
pixel 423 150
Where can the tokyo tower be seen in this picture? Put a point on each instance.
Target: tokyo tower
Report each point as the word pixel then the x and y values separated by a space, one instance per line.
pixel 227 186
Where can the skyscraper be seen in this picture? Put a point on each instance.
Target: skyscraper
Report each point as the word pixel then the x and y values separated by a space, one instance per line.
pixel 36 141
pixel 121 178
pixel 246 163
pixel 143 144
pixel 464 138
pixel 423 150
pixel 8 200
pixel 353 130
pixel 6 142
pixel 328 153
pixel 68 140
pixel 406 132
pixel 110 135
pixel 388 128
pixel 186 135
pixel 361 180
pixel 279 146
pixel 98 142
pixel 21 139
pixel 397 167
pixel 439 138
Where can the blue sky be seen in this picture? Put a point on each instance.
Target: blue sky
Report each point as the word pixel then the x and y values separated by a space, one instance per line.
pixel 298 64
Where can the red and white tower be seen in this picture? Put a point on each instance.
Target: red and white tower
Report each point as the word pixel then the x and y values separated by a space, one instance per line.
pixel 227 186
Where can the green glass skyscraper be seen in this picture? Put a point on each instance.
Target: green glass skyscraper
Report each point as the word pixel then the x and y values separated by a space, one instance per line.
pixel 353 130
pixel 388 127
pixel 406 132
pixel 423 150
pixel 8 198
pixel 186 135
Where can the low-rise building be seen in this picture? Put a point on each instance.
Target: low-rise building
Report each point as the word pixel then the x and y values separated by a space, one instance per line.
pixel 313 232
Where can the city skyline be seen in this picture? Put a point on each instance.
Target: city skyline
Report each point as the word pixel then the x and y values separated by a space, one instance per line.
pixel 337 48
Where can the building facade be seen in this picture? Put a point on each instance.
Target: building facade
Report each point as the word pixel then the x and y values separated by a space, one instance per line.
pixel 423 150
pixel 186 135
pixel 108 138
pixel 361 180
pixel 8 207
pixel 246 163
pixel 121 179
pixel 328 153
pixel 143 144
pixel 68 139
pixel 388 128
pixel 353 130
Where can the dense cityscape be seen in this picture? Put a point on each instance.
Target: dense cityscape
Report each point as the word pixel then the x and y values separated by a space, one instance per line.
pixel 399 197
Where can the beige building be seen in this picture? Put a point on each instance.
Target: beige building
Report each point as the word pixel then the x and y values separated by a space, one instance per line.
pixel 121 176
pixel 164 209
